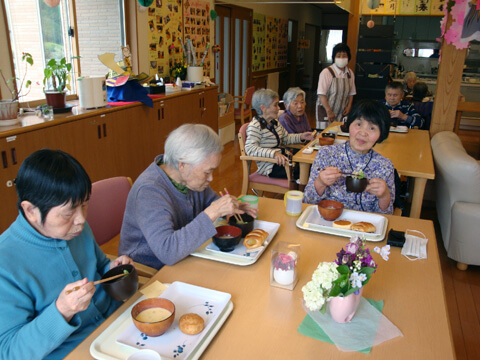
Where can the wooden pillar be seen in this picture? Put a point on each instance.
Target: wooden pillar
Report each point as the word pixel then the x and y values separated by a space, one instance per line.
pixel 353 31
pixel 447 93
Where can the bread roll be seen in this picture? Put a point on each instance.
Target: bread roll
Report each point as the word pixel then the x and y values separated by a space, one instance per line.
pixel 191 324
pixel 342 224
pixel 364 226
pixel 255 238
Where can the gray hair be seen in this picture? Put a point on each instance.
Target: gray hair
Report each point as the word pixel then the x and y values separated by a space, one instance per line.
pixel 191 144
pixel 263 97
pixel 291 94
pixel 409 76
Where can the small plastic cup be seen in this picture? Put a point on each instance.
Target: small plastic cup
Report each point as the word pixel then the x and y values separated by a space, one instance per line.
pixel 48 112
pixel 251 199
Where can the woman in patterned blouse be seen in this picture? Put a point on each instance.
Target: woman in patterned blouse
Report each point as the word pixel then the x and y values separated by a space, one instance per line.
pixel 368 123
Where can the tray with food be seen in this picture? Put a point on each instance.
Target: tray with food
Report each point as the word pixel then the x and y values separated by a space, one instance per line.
pixel 372 226
pixel 247 251
pixel 122 338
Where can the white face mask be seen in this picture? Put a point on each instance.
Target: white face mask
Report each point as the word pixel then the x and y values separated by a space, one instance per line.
pixel 415 246
pixel 341 62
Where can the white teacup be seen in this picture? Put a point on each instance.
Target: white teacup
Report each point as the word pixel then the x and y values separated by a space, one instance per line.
pixel 293 202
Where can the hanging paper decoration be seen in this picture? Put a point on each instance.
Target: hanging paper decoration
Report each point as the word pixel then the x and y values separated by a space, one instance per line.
pixel 52 3
pixel 373 4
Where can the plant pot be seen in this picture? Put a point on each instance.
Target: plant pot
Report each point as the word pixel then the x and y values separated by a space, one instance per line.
pixel 284 277
pixel 8 112
pixel 56 99
pixel 343 309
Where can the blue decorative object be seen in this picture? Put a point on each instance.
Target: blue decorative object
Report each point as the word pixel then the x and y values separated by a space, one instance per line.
pixel 130 91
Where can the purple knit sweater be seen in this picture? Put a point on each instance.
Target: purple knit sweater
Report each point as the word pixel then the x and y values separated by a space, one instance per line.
pixel 161 225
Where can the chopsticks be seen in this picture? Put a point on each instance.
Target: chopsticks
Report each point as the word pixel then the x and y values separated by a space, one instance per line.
pixel 96 282
pixel 237 217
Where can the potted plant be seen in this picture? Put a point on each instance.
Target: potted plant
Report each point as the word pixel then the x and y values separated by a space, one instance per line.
pixel 57 77
pixel 9 108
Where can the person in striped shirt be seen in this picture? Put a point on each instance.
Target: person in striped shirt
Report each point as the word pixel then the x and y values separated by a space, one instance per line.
pixel 266 136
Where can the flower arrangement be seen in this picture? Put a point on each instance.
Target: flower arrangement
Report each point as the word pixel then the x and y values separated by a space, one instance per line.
pixel 285 261
pixel 10 83
pixel 351 270
pixel 178 70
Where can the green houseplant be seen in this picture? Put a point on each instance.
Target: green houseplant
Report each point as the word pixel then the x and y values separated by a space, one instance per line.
pixel 57 77
pixel 9 108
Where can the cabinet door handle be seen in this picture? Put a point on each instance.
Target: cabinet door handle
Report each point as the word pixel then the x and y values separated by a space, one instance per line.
pixel 99 132
pixel 13 152
pixel 104 130
pixel 159 111
pixel 4 159
pixel 163 113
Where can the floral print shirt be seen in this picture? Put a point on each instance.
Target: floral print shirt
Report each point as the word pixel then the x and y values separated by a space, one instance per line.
pixel 346 160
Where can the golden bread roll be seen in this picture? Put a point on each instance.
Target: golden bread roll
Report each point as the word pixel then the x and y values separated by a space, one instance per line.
pixel 255 238
pixel 364 226
pixel 191 324
pixel 342 224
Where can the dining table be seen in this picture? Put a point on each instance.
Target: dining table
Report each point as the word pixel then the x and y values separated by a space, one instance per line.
pixel 265 318
pixel 410 153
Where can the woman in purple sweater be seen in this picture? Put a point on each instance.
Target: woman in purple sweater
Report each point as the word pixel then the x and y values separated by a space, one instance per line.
pixel 171 208
pixel 294 119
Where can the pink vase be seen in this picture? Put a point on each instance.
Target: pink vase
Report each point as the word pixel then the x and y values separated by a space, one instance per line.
pixel 342 309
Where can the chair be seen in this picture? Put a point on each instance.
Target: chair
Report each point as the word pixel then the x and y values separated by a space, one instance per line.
pixel 105 216
pixel 244 110
pixel 254 180
pixel 457 182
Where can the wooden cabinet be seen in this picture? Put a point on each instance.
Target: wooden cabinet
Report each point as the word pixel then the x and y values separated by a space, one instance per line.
pixel 121 141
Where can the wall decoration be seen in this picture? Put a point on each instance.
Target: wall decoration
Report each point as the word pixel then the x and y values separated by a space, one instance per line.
pixel 270 42
pixel 271 35
pixel 258 39
pixel 465 24
pixel 196 18
pixel 165 29
pixel 282 44
pixel 405 7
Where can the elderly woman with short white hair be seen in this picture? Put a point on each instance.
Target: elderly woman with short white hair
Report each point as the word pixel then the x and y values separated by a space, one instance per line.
pixel 294 119
pixel 408 82
pixel 266 137
pixel 171 208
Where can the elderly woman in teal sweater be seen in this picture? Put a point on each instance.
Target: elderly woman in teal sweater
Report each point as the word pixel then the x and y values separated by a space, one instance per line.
pixel 48 250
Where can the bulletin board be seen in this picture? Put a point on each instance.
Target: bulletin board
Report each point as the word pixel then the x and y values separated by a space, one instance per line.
pixel 406 7
pixel 196 16
pixel 271 35
pixel 165 29
pixel 258 39
pixel 270 42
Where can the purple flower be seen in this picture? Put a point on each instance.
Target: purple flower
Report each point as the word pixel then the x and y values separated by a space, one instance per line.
pixel 352 247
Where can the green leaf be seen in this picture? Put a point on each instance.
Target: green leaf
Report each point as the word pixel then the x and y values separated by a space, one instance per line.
pixel 343 269
pixel 367 270
pixel 28 83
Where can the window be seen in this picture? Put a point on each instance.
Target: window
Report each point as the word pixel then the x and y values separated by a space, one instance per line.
pixel 334 37
pixel 47 32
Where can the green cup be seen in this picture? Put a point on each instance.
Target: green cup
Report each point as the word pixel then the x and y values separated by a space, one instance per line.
pixel 250 199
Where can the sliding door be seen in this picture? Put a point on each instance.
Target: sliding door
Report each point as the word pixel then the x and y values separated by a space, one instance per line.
pixel 233 32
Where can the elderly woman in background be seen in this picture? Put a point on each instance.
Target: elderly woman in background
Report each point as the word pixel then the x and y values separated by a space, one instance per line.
pixel 265 136
pixel 294 119
pixel 408 82
pixel 171 208
pixel 48 250
pixel 368 123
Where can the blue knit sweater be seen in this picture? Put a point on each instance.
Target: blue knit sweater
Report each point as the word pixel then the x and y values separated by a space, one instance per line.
pixel 161 225
pixel 34 269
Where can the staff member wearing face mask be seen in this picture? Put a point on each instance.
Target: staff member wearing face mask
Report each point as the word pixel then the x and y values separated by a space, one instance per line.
pixel 336 87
